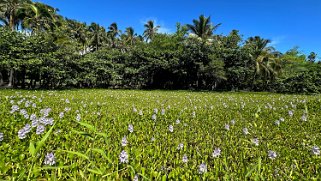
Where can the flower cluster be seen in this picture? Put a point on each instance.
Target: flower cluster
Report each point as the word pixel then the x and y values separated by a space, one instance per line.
pixel 123 157
pixel 272 154
pixel 22 133
pixel 130 128
pixel 50 159
pixel 202 168
pixel 216 153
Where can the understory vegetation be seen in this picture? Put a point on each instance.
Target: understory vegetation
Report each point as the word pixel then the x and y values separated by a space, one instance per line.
pixel 41 49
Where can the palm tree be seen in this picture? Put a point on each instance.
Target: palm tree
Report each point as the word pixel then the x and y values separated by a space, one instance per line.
pixel 130 35
pixel 266 59
pixel 10 16
pixel 80 32
pixel 113 33
pixel 202 27
pixel 312 57
pixel 150 30
pixel 39 17
pixel 97 35
pixel 10 11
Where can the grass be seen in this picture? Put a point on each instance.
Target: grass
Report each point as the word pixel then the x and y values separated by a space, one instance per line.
pixel 87 140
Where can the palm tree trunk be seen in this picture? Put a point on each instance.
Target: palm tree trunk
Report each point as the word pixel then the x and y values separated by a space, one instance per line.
pixel 1 79
pixel 11 78
pixel 11 22
pixel 253 80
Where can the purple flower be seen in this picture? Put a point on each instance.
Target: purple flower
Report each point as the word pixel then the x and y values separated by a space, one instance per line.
pixel 33 117
pixel 136 178
pixel 155 111
pixel 61 115
pixel 40 129
pixel 255 141
pixel 171 128
pixel 163 112
pixel 14 108
pixel 27 128
pixel 154 117
pixel 130 128
pixel 202 168
pixel 22 134
pixel 216 153
pixel 34 123
pixel 272 154
pixel 23 112
pixel 124 141
pixel 180 146
pixel 78 117
pixel 50 159
pixel 123 157
pixel 227 127
pixel 185 159
pixel 304 117
pixel 245 131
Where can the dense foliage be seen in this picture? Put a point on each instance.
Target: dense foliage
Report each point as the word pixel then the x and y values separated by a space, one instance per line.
pixel 156 135
pixel 40 48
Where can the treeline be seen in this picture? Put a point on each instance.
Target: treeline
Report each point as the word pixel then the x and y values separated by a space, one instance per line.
pixel 41 49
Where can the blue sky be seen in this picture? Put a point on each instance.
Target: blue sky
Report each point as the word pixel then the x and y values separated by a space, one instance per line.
pixel 287 23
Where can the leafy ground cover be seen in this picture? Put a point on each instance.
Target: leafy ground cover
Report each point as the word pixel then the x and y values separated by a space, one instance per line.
pixel 158 135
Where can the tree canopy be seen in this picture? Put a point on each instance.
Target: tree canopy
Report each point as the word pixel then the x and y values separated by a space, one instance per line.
pixel 41 49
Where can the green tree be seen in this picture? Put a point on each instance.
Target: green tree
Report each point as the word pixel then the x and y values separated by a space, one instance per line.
pixel 150 30
pixel 79 32
pixel 40 17
pixel 11 10
pixel 312 57
pixel 203 27
pixel 130 36
pixel 266 60
pixel 113 33
pixel 98 35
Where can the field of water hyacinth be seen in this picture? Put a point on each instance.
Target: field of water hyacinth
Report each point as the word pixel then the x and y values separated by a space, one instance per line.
pixel 158 135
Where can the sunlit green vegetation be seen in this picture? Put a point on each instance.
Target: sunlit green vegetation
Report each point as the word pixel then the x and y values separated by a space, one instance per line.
pixel 158 135
pixel 42 49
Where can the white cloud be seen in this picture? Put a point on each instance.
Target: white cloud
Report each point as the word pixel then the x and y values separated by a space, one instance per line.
pixel 277 40
pixel 162 29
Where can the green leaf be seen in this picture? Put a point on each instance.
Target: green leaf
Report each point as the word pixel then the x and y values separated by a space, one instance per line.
pixel 43 140
pixel 87 125
pixel 104 135
pixel 32 149
pixel 164 178
pixel 83 134
pixel 251 171
pixel 53 168
pixel 97 171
